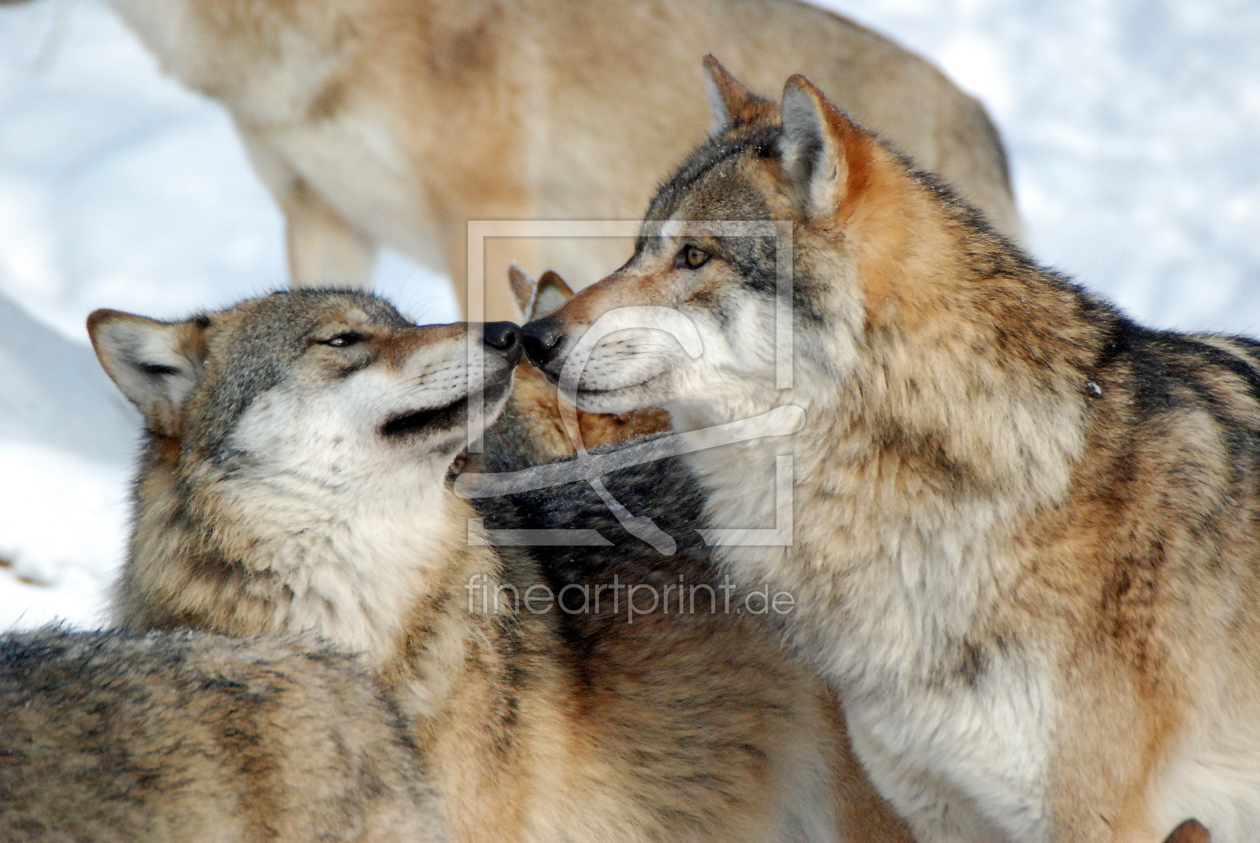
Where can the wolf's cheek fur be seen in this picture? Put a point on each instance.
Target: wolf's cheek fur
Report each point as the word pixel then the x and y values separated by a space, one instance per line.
pixel 320 434
pixel 738 366
pixel 628 369
pixel 629 377
pixel 332 435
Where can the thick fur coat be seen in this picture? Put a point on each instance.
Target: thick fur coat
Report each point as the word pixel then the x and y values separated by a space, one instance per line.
pixel 193 737
pixel 1024 527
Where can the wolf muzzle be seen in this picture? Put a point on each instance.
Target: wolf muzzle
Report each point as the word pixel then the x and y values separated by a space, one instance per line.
pixel 542 339
pixel 505 338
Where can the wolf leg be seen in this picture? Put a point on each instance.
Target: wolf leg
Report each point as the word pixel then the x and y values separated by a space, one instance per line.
pixel 323 249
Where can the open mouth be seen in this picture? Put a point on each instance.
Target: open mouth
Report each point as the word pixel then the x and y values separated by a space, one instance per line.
pixel 425 422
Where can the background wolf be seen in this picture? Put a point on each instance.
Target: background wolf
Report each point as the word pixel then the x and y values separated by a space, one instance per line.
pixel 294 479
pixel 1025 527
pixel 393 122
pixel 182 737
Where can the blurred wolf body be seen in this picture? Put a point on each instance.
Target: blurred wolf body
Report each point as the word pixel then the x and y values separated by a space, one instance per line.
pixel 395 122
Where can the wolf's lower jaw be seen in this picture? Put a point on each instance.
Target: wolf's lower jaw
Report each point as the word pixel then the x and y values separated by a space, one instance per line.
pixel 621 399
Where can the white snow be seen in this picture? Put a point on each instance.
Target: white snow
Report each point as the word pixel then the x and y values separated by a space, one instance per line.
pixel 1133 128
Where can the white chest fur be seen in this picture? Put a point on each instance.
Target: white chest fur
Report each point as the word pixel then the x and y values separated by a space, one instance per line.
pixel 883 604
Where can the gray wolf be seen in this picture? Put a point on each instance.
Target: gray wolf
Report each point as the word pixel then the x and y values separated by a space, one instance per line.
pixel 186 737
pixel 294 481
pixel 1025 528
pixel 394 122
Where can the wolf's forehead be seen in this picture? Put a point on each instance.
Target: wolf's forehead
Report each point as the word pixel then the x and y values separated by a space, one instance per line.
pixel 716 205
pixel 287 319
pixel 723 211
pixel 716 179
pixel 267 334
pixel 253 347
pixel 300 311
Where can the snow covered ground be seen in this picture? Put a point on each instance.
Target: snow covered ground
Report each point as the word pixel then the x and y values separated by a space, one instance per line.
pixel 1133 128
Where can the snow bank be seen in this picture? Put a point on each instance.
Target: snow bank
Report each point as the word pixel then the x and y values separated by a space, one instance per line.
pixel 66 442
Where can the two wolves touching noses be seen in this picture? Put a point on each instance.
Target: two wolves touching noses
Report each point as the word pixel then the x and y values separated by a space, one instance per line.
pixel 1023 555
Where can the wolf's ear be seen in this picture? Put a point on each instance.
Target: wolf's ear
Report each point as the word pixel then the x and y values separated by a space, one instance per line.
pixel 155 364
pixel 553 292
pixel 733 105
pixel 540 297
pixel 524 288
pixel 824 155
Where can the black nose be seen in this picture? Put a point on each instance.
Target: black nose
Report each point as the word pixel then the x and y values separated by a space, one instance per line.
pixel 542 340
pixel 505 338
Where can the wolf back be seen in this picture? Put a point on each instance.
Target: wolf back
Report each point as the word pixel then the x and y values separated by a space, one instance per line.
pixel 188 737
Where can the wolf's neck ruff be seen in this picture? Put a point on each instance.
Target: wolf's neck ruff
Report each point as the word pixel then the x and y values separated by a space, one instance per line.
pixel 918 482
pixel 374 567
pixel 379 549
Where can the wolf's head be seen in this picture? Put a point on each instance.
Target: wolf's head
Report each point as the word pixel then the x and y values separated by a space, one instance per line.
pixel 297 451
pixel 324 384
pixel 790 232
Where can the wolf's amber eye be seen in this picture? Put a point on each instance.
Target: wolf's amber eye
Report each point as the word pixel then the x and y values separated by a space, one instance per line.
pixel 693 257
pixel 344 339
